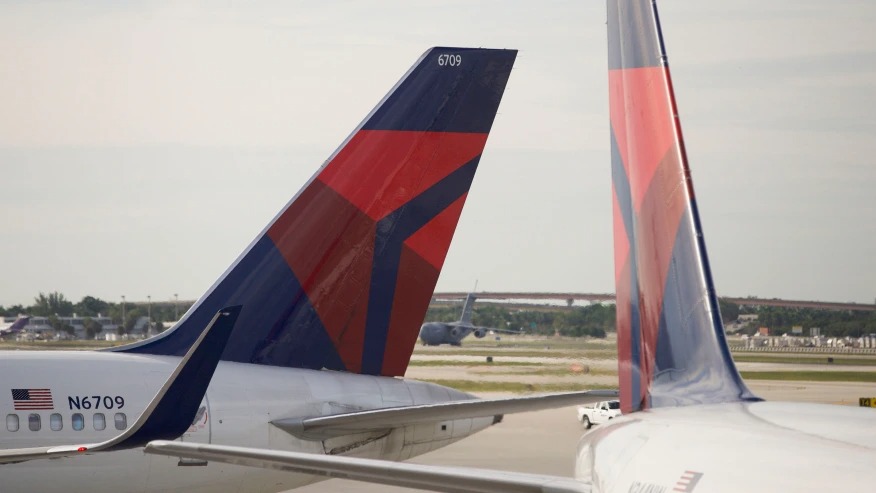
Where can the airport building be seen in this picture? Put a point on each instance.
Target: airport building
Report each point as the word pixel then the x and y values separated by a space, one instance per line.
pixel 40 328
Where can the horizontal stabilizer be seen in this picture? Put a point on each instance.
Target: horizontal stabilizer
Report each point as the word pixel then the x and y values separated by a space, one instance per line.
pixel 434 478
pixel 323 427
pixel 171 411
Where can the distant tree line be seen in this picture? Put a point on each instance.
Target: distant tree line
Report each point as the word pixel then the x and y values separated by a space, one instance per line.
pixel 597 319
pixel 833 323
pixel 55 304
pixel 592 320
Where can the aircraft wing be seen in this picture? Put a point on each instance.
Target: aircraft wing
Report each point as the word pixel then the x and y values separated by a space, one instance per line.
pixel 503 331
pixel 322 427
pixel 434 478
pixel 171 411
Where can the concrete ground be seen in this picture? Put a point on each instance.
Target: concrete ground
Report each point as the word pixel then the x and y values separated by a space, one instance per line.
pixel 545 442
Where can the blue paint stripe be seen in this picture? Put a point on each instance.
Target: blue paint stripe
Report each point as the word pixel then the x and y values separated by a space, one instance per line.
pixel 448 90
pixel 693 363
pixel 392 231
pixel 632 37
pixel 621 185
pixel 277 325
pixel 174 413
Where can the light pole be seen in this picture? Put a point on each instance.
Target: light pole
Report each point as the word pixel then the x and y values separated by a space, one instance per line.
pixel 149 313
pixel 175 307
pixel 123 312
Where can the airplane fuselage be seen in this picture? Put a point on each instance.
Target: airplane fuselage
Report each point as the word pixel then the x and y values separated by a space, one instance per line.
pixel 94 395
pixel 741 446
pixel 437 333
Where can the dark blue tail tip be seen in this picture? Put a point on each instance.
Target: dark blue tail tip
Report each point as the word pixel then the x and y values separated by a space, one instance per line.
pixel 448 90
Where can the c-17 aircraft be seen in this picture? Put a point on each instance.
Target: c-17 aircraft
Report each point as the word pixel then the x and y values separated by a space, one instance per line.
pixel 330 294
pixel 690 424
pixel 437 333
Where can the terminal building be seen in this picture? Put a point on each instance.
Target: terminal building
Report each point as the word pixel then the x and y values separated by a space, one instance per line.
pixel 40 328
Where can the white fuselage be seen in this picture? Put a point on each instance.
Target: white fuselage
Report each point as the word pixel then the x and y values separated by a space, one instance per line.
pixel 751 447
pixel 239 406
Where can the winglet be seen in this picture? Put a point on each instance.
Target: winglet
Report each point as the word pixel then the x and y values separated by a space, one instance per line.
pixel 173 408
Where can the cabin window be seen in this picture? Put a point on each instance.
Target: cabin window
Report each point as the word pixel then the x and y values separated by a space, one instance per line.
pixel 99 421
pixel 121 421
pixel 78 422
pixel 11 422
pixel 55 422
pixel 34 422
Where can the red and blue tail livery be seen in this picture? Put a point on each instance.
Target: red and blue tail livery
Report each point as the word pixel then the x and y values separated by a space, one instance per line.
pixel 342 278
pixel 671 345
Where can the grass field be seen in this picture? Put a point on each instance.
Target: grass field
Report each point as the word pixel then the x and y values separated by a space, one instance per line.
pixel 509 359
pixel 516 387
pixel 58 345
pixel 449 362
pixel 804 360
pixel 524 353
pixel 812 376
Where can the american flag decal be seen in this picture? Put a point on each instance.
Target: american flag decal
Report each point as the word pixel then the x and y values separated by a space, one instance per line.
pixel 32 399
pixel 688 481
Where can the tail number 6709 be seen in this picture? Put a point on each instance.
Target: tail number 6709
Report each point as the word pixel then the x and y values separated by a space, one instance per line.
pixel 448 60
pixel 96 402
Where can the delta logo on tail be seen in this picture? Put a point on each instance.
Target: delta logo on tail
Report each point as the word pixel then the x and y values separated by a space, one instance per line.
pixel 663 283
pixel 342 278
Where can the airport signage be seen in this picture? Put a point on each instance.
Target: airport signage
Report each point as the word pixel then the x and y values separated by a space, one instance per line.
pixel 867 402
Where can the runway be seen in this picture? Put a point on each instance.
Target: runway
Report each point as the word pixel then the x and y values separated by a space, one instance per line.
pixel 545 442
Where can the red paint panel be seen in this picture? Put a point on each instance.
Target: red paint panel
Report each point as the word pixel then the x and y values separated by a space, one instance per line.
pixel 642 122
pixel 329 244
pixel 625 365
pixel 433 240
pixel 350 337
pixel 623 310
pixel 380 170
pixel 413 292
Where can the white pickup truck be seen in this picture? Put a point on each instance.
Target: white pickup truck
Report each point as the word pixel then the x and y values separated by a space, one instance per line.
pixel 599 412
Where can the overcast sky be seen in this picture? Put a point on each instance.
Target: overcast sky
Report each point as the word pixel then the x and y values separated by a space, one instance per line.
pixel 144 145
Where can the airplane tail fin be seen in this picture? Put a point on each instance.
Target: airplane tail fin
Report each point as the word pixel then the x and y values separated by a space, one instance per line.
pixel 468 308
pixel 16 327
pixel 671 345
pixel 342 277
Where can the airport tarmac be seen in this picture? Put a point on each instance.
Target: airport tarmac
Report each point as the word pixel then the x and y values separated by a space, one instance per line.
pixel 545 442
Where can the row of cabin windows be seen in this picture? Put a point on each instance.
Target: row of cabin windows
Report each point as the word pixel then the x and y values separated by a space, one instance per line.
pixel 56 422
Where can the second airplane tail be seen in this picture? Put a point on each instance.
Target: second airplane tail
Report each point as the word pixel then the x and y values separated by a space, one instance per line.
pixel 342 277
pixel 671 345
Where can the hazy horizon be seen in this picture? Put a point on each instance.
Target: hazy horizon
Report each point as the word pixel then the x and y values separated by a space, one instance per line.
pixel 145 145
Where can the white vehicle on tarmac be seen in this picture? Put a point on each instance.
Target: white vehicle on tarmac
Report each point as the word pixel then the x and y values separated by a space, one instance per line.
pixel 600 412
